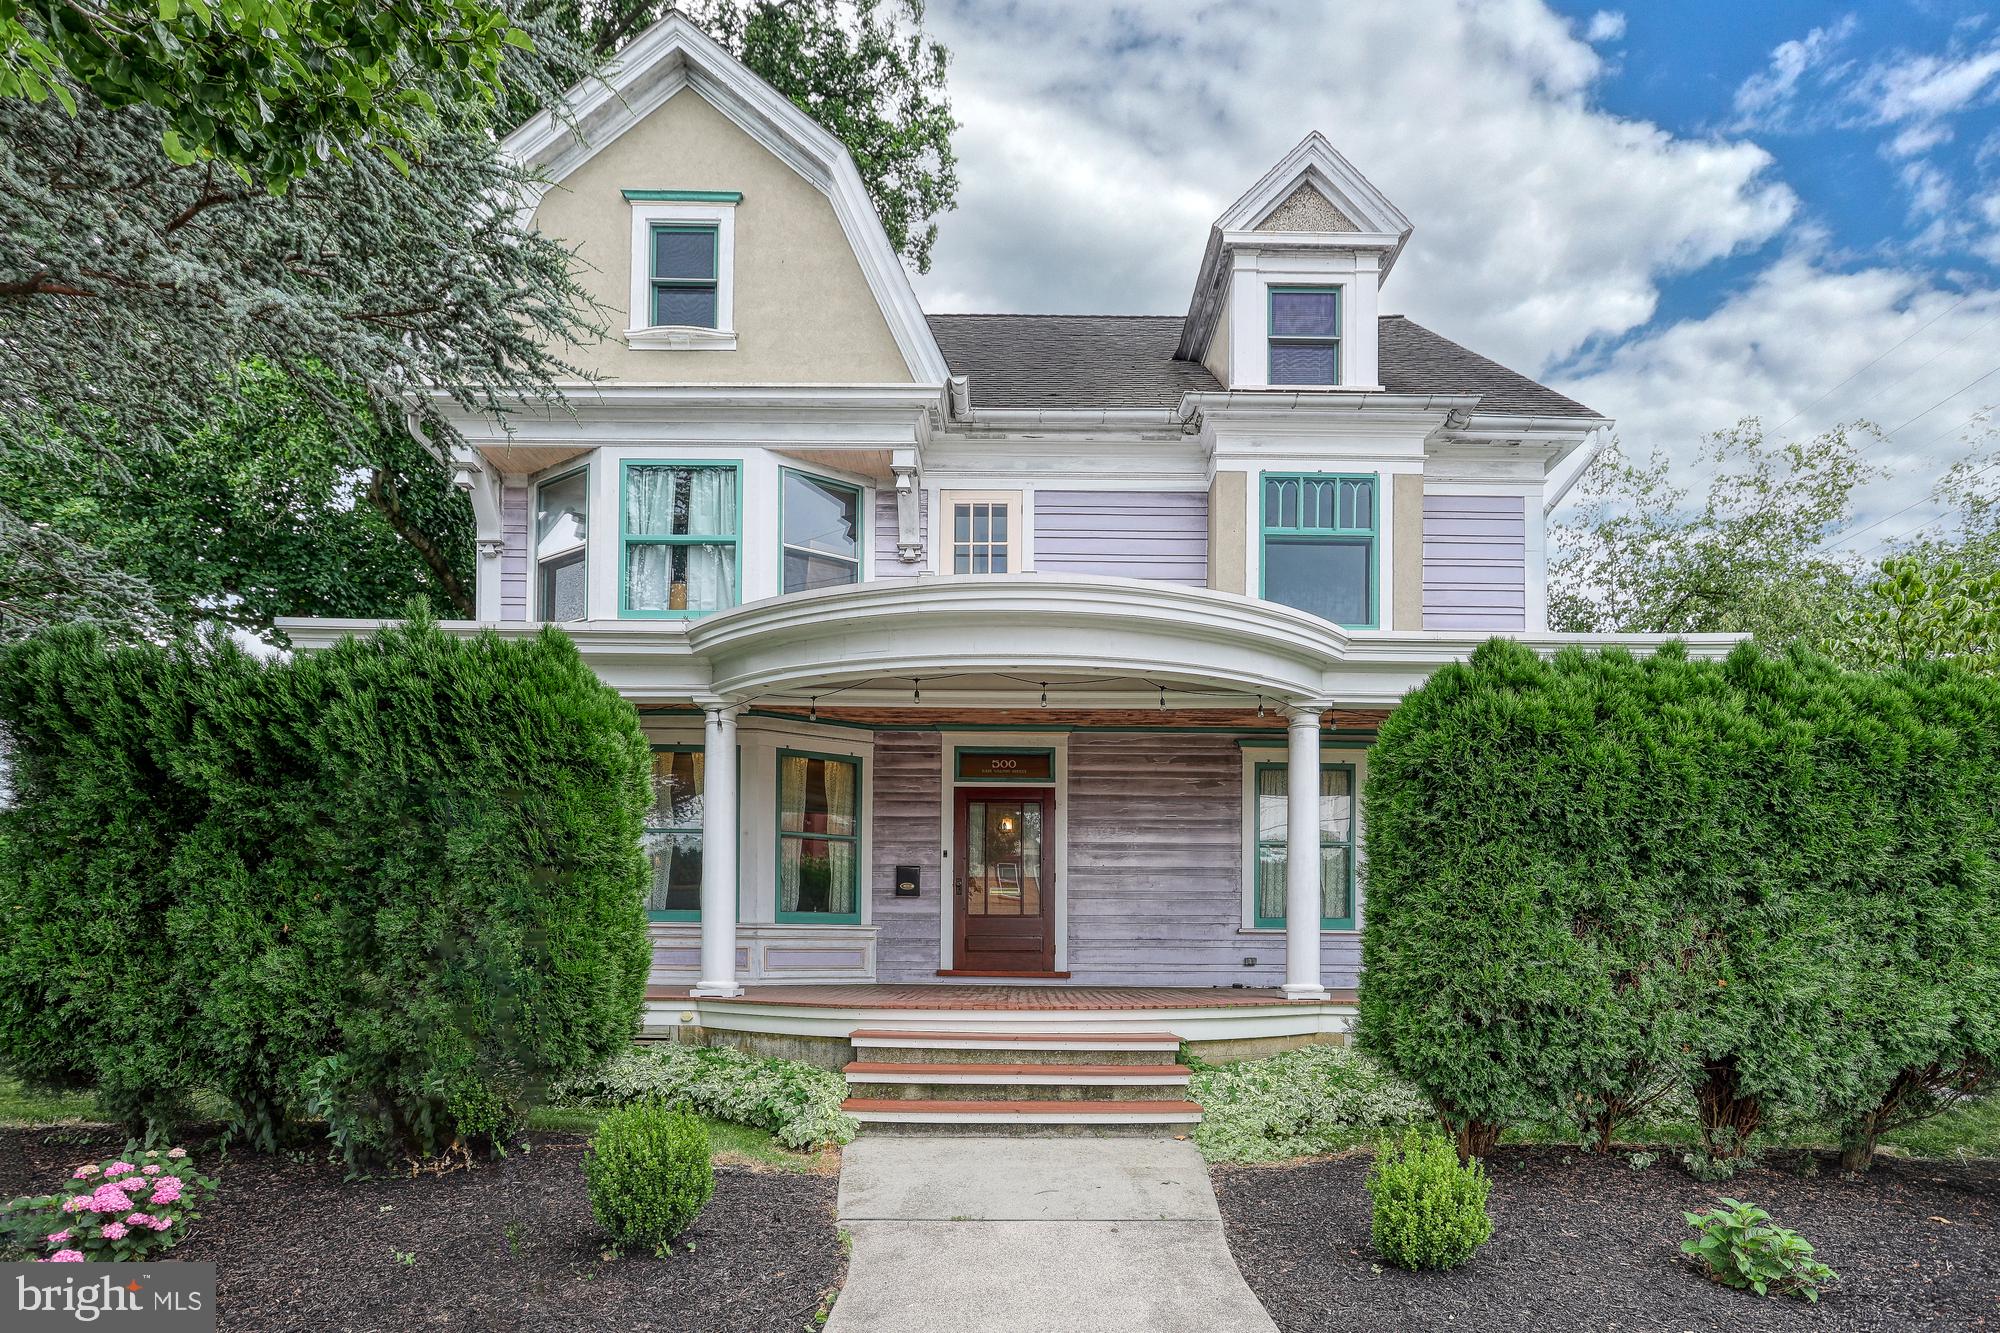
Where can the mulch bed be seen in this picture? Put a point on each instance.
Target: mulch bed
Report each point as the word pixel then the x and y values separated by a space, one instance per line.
pixel 506 1244
pixel 1582 1242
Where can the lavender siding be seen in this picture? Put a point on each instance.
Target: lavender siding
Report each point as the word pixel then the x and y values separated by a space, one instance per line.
pixel 906 772
pixel 514 553
pixel 1475 562
pixel 1133 534
pixel 888 565
pixel 1155 864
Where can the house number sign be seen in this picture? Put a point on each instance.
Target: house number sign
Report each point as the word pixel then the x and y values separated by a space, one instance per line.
pixel 1006 766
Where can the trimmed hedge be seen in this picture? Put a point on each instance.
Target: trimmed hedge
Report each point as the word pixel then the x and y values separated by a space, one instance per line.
pixel 1597 879
pixel 397 884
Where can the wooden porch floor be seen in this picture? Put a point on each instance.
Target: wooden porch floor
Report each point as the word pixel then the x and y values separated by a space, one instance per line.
pixel 962 998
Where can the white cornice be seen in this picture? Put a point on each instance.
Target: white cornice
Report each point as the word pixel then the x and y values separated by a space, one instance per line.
pixel 674 55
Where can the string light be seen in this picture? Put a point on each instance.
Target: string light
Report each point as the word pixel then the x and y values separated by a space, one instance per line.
pixel 812 709
pixel 916 690
pixel 1045 694
pixel 1260 707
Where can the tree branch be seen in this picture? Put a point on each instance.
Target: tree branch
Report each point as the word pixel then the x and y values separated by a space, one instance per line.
pixel 382 494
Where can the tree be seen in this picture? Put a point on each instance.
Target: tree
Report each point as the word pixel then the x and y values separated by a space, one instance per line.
pixel 142 299
pixel 864 69
pixel 269 87
pixel 1640 556
pixel 1918 611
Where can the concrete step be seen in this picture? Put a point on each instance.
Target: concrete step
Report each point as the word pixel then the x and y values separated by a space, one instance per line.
pixel 946 1046
pixel 1016 1082
pixel 1032 1117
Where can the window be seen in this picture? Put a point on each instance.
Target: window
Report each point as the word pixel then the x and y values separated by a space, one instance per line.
pixel 685 275
pixel 821 532
pixel 673 834
pixel 679 524
pixel 1320 546
pixel 984 531
pixel 561 588
pixel 1336 845
pixel 819 837
pixel 1305 335
pixel 683 257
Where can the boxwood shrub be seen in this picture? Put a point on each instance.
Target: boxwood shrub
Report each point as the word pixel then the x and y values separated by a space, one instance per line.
pixel 649 1175
pixel 1766 882
pixel 396 884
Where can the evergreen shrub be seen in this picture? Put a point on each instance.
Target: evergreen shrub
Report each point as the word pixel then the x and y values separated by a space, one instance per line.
pixel 649 1175
pixel 1429 1208
pixel 396 884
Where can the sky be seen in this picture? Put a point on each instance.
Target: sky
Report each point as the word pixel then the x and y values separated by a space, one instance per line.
pixel 1679 214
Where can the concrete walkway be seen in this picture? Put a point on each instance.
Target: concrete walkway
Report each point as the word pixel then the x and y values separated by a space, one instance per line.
pixel 1035 1235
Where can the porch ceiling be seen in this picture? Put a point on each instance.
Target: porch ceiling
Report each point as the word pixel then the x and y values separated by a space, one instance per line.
pixel 1136 719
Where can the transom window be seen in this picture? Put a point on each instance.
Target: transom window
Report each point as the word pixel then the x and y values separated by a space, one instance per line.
pixel 819 837
pixel 1305 335
pixel 561 530
pixel 678 532
pixel 1320 534
pixel 1336 845
pixel 684 274
pixel 673 834
pixel 821 537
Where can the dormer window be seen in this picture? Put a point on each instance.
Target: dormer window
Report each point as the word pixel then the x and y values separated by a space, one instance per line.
pixel 1305 335
pixel 683 262
pixel 684 275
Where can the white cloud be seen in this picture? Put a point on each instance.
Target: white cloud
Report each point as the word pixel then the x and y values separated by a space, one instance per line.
pixel 1606 25
pixel 1924 88
pixel 1765 98
pixel 1098 144
pixel 1930 189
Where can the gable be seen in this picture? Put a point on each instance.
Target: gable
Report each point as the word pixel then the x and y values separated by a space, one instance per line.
pixel 1305 209
pixel 804 309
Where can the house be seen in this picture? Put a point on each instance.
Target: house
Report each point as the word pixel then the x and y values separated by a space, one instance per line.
pixel 1033 655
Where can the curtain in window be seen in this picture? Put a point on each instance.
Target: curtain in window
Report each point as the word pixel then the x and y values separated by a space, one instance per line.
pixel 1336 814
pixel 711 508
pixel 792 793
pixel 840 799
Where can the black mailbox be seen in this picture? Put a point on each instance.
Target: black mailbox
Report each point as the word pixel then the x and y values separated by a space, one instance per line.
pixel 909 881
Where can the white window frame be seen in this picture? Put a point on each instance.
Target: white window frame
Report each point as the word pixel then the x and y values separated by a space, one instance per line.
pixel 944 524
pixel 1275 752
pixel 558 473
pixel 640 332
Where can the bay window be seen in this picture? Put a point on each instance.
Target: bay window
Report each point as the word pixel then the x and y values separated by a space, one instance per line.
pixel 678 533
pixel 561 531
pixel 820 537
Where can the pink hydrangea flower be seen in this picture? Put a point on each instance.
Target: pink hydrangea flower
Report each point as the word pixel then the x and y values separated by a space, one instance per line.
pixel 114 1231
pixel 58 1237
pixel 138 1219
pixel 162 1223
pixel 177 1152
pixel 83 1172
pixel 65 1257
pixel 76 1203
pixel 151 1170
pixel 167 1191
pixel 120 1169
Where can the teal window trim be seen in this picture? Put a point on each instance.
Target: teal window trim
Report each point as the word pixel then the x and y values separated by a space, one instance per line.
pixel 777 795
pixel 1259 841
pixel 863 528
pixel 627 540
pixel 655 281
pixel 1370 536
pixel 683 196
pixel 702 833
pixel 958 770
pixel 535 561
pixel 1272 338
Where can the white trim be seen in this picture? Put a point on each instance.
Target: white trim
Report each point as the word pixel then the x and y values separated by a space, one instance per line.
pixel 1020 541
pixel 674 54
pixel 949 744
pixel 1217 1023
pixel 547 476
pixel 640 331
pixel 997 1113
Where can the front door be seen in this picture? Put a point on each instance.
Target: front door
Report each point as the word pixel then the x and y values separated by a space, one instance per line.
pixel 1005 881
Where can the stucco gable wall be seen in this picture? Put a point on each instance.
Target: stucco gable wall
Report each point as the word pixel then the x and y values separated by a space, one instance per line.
pixel 803 310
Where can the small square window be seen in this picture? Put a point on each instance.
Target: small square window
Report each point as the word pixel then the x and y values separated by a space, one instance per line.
pixel 1304 335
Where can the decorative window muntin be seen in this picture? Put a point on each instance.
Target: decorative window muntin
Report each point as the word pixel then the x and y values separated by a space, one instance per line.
pixel 1321 545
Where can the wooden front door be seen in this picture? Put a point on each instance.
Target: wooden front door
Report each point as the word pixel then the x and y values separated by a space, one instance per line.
pixel 1004 880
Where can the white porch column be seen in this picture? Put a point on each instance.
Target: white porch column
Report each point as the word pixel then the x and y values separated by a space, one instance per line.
pixel 718 855
pixel 1302 857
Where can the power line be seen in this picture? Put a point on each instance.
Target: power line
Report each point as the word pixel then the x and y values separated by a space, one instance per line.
pixel 1877 361
pixel 1915 504
pixel 1849 532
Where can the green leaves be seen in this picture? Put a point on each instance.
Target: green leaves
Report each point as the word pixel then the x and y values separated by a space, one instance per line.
pixel 1428 1210
pixel 1738 1248
pixel 263 85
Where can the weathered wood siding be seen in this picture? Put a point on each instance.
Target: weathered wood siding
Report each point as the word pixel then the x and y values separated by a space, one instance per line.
pixel 1475 562
pixel 1156 868
pixel 888 565
pixel 1155 864
pixel 1130 534
pixel 906 776
pixel 514 553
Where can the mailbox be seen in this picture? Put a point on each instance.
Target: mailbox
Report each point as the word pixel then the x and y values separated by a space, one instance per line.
pixel 909 881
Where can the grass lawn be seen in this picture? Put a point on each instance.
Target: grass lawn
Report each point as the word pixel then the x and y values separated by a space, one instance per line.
pixel 734 1145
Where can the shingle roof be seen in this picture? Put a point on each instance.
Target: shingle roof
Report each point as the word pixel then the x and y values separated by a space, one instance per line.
pixel 1086 361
